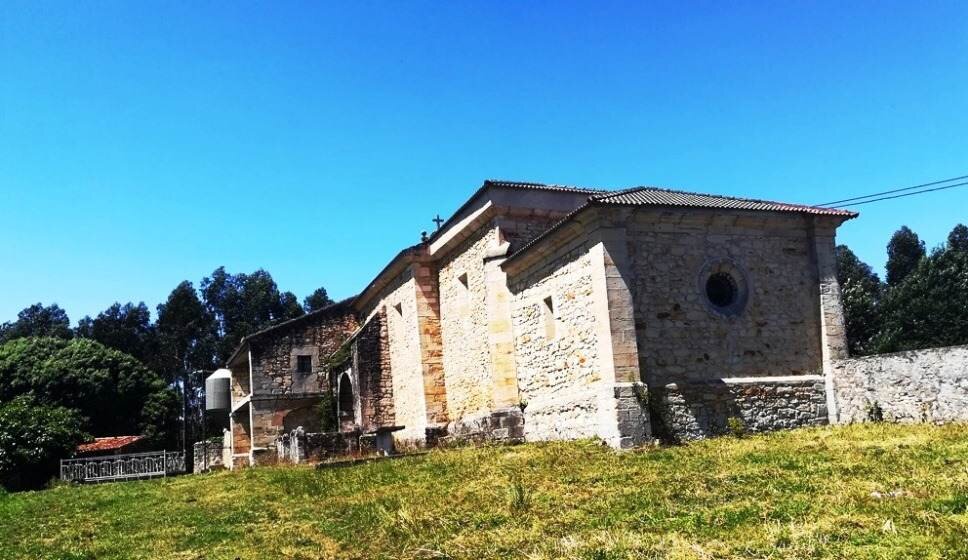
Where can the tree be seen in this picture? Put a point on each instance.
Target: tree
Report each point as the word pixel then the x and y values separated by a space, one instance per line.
pixel 929 308
pixel 33 437
pixel 958 239
pixel 187 342
pixel 38 320
pixel 242 304
pixel 316 300
pixel 904 251
pixel 20 361
pixel 861 291
pixel 108 388
pixel 127 328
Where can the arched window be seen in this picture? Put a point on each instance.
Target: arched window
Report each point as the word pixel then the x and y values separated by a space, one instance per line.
pixel 345 398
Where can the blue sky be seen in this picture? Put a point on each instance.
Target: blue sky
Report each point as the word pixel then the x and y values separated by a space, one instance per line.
pixel 144 144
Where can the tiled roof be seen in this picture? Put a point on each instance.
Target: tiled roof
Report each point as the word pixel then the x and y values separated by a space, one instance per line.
pixel 653 196
pixel 542 186
pixel 108 443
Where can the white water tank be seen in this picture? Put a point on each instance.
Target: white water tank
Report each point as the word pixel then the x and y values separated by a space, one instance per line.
pixel 218 390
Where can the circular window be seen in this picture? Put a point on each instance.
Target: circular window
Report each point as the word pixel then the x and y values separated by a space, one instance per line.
pixel 725 287
pixel 721 289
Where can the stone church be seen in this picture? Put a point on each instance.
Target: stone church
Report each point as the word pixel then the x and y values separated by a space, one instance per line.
pixel 540 312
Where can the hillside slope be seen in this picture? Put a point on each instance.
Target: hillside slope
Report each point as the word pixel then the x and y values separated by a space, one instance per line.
pixel 871 491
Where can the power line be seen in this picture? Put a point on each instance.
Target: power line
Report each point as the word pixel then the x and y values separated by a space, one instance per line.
pixel 931 184
pixel 903 195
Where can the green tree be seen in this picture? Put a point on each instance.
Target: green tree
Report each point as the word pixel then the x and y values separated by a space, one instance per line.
pixel 904 251
pixel 127 328
pixel 108 388
pixel 958 239
pixel 38 320
pixel 317 300
pixel 242 304
pixel 33 437
pixel 929 308
pixel 188 341
pixel 861 292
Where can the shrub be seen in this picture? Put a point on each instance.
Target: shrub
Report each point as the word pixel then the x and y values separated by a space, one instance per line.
pixel 113 391
pixel 736 426
pixel 33 437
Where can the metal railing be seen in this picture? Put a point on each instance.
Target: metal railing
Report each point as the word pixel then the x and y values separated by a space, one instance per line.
pixel 129 466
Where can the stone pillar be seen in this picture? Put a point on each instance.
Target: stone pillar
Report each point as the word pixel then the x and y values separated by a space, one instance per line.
pixel 431 347
pixel 833 334
pixel 624 397
pixel 500 339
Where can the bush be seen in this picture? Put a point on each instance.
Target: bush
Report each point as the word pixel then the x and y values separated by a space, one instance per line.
pixel 113 391
pixel 33 437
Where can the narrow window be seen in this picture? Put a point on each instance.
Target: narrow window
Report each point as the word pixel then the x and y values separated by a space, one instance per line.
pixel 304 364
pixel 548 310
pixel 399 309
pixel 463 280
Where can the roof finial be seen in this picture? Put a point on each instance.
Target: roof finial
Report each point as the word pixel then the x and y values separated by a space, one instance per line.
pixel 438 220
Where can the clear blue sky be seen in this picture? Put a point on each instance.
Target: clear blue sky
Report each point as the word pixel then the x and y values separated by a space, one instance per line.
pixel 144 144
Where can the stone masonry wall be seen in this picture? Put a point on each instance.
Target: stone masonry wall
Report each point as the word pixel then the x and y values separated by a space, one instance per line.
pixel 688 411
pixel 518 231
pixel 558 376
pixel 272 417
pixel 464 326
pixel 403 332
pixel 371 355
pixel 915 386
pixel 681 338
pixel 274 354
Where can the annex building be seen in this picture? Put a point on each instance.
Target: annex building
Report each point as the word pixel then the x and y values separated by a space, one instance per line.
pixel 540 312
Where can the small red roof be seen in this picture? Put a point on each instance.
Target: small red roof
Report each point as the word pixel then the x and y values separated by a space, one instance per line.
pixel 108 443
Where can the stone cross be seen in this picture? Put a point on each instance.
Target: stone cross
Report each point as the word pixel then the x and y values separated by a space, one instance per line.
pixel 438 220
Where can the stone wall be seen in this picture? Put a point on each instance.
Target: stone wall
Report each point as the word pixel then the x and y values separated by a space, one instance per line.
pixel 209 454
pixel 371 366
pixel 686 411
pixel 464 326
pixel 682 338
pixel 319 335
pixel 518 231
pixel 556 350
pixel 272 417
pixel 504 425
pixel 403 334
pixel 314 447
pixel 915 386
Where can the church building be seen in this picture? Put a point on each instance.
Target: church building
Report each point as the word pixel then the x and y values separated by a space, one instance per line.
pixel 542 312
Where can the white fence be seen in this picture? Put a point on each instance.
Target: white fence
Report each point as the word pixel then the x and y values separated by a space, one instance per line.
pixel 122 467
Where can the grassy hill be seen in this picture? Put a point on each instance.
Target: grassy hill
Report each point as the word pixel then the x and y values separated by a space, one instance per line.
pixel 871 491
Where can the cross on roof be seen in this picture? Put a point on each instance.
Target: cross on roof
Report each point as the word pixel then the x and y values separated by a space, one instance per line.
pixel 438 220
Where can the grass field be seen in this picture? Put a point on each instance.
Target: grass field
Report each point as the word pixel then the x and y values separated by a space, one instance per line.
pixel 868 491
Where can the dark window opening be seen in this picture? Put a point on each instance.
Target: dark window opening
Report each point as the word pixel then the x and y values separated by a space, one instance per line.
pixel 304 364
pixel 721 289
pixel 346 400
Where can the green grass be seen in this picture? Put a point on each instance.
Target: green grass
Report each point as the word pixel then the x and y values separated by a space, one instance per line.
pixel 800 494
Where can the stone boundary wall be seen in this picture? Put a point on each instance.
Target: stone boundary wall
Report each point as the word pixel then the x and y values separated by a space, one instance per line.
pixel 313 447
pixel 208 455
pixel 915 386
pixel 689 411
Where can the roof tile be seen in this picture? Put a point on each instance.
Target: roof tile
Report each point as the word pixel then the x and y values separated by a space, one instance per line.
pixel 653 196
